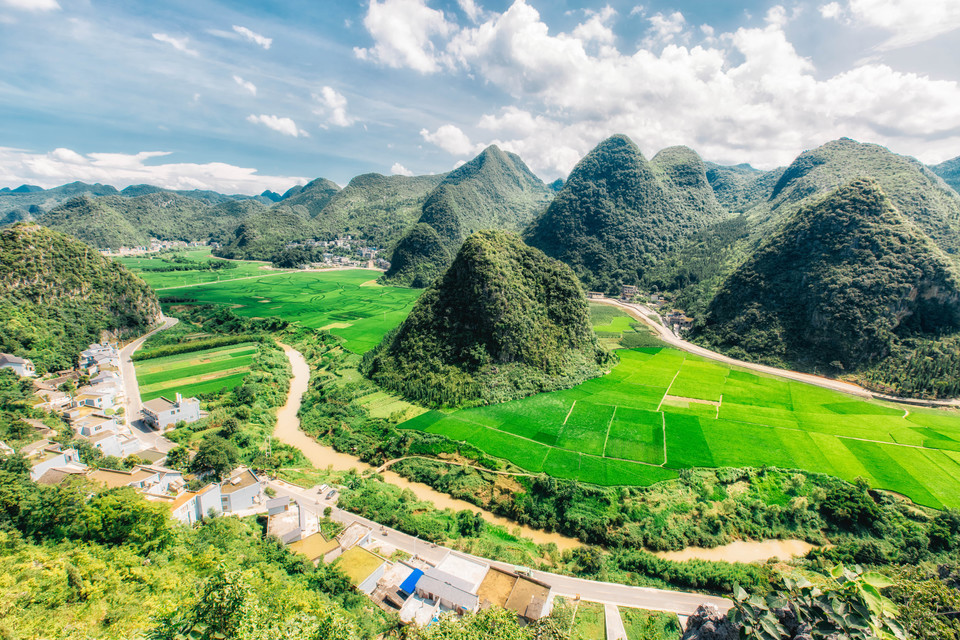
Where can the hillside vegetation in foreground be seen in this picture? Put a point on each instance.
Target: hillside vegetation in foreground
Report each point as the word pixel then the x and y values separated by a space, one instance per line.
pixel 57 295
pixel 504 321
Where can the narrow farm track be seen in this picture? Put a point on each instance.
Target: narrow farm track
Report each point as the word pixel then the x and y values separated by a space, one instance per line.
pixel 288 431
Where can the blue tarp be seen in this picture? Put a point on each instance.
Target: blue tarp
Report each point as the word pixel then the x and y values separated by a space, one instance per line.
pixel 410 584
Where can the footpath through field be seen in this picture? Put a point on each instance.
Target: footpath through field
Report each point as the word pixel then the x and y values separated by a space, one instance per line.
pixel 288 431
pixel 640 312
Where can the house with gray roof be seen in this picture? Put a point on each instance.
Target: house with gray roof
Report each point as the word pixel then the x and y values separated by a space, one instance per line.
pixel 21 366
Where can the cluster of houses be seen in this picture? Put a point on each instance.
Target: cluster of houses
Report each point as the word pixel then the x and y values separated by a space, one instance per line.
pixel 361 256
pixel 94 412
pixel 417 589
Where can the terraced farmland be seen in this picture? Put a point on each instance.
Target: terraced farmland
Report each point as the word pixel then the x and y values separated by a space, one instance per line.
pixel 195 372
pixel 661 410
pixel 348 303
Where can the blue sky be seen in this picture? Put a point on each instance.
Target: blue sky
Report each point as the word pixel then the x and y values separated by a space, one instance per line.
pixel 242 96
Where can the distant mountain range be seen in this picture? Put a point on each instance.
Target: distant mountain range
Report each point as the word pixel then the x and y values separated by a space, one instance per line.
pixel 704 233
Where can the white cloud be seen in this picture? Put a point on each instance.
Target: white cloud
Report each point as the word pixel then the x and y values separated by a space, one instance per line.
pixel 452 140
pixel 665 29
pixel 61 166
pixel 831 10
pixel 333 106
pixel 286 126
pixel 31 5
pixel 246 84
pixel 597 27
pixel 253 36
pixel 472 9
pixel 180 44
pixel 399 170
pixel 909 21
pixel 742 96
pixel 404 33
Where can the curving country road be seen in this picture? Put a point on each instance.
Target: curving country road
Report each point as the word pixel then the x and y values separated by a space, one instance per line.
pixel 131 391
pixel 640 312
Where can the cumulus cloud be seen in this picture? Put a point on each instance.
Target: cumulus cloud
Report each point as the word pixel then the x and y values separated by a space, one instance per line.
pixel 253 36
pixel 333 106
pixel 286 126
pixel 247 85
pixel 747 95
pixel 399 170
pixel 180 44
pixel 472 9
pixel 31 5
pixel 404 32
pixel 910 22
pixel 62 165
pixel 451 139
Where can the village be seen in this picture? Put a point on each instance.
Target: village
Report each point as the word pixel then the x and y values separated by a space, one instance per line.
pixel 418 587
pixel 656 303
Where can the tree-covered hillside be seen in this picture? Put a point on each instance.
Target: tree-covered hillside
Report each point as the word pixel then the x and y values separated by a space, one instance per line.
pixel 376 208
pixel 57 295
pixel 836 287
pixel 618 214
pixel 504 321
pixel 739 188
pixel 949 171
pixel 495 190
pixel 913 189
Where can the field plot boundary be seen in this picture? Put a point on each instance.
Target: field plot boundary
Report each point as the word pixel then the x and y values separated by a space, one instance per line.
pixel 746 419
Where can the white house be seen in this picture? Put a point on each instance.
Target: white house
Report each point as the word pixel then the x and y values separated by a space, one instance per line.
pixel 161 413
pixel 21 366
pixel 50 456
pixel 192 506
pixel 240 491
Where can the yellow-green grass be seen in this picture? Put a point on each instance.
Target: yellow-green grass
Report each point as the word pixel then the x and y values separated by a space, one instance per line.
pixel 163 279
pixel 359 312
pixel 589 623
pixel 622 429
pixel 641 624
pixel 358 564
pixel 195 372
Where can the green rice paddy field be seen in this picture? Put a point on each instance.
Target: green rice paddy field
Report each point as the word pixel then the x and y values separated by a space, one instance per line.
pixel 195 372
pixel 661 409
pixel 165 279
pixel 348 303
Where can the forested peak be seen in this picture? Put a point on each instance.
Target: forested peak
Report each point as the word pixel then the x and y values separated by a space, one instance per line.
pixel 679 155
pixel 616 159
pixel 503 321
pixel 912 188
pixel 497 165
pixel 844 279
pixel 320 184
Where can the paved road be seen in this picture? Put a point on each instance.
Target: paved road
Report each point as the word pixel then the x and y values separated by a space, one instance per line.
pixel 679 602
pixel 131 391
pixel 640 312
